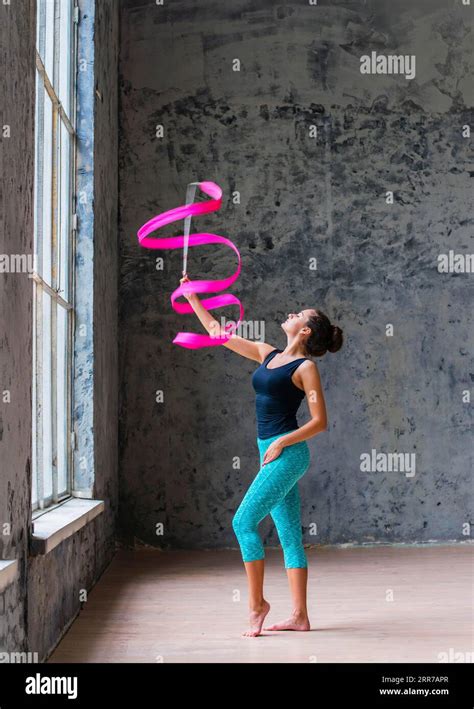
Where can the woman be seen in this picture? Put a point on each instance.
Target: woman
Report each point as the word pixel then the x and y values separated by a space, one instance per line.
pixel 281 382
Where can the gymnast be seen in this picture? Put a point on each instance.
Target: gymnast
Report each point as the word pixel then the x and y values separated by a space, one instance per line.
pixel 282 380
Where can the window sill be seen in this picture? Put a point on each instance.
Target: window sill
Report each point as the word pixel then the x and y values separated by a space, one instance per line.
pixel 8 571
pixel 53 527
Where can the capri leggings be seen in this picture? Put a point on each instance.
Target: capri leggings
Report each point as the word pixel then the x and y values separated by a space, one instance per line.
pixel 274 491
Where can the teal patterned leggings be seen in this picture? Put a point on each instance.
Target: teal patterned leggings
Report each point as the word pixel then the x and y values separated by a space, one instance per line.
pixel 274 491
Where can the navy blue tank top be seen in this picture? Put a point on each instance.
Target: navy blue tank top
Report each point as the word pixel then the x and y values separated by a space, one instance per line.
pixel 278 398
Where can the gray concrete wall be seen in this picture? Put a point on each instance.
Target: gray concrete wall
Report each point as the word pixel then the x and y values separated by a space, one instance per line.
pixel 106 244
pixel 37 610
pixel 300 198
pixel 17 37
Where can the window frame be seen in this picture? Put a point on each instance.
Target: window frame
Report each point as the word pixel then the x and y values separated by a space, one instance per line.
pixel 62 207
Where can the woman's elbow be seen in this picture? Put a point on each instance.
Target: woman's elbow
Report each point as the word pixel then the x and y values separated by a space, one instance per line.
pixel 320 423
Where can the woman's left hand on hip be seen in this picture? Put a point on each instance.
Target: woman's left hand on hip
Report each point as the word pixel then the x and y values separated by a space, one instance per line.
pixel 273 451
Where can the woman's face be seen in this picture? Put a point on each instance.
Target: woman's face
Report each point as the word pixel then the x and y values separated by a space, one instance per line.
pixel 295 321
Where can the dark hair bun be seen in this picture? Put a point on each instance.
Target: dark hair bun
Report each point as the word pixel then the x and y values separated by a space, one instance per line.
pixel 323 337
pixel 335 343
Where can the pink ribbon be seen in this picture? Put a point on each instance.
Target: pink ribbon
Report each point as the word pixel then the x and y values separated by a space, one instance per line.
pixel 189 339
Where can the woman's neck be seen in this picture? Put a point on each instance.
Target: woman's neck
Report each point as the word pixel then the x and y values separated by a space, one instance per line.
pixel 294 349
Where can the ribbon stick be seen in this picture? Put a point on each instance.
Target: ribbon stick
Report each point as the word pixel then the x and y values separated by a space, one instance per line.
pixel 190 195
pixel 188 339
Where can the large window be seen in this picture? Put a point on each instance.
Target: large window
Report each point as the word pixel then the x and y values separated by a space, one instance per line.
pixel 55 149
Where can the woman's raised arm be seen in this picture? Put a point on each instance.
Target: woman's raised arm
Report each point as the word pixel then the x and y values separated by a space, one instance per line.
pixel 247 348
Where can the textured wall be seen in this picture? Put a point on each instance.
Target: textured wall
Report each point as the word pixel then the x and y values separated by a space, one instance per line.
pixel 106 189
pixel 300 198
pixel 39 608
pixel 17 37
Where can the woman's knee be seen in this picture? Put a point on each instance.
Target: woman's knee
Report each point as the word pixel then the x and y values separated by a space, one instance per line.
pixel 236 523
pixel 243 521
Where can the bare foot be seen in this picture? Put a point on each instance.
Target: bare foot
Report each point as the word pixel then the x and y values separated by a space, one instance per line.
pixel 257 616
pixel 295 622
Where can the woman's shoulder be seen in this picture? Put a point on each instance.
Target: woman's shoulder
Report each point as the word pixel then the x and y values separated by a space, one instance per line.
pixel 266 350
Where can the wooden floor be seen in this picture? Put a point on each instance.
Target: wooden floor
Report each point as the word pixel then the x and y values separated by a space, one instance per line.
pixel 371 604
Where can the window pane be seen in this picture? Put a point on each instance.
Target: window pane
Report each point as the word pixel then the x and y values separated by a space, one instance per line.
pixel 46 462
pixel 38 192
pixel 65 40
pixel 64 208
pixel 52 214
pixel 34 470
pixel 45 34
pixel 62 397
pixel 44 186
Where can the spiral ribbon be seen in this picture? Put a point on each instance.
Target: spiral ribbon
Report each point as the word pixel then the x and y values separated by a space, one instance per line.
pixel 191 340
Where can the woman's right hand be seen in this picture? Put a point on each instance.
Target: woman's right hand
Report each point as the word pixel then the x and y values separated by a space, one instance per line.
pixel 188 296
